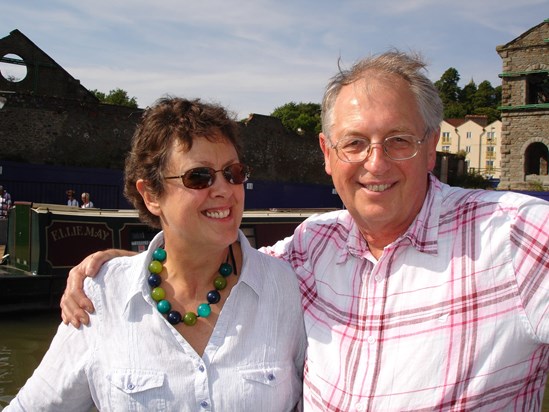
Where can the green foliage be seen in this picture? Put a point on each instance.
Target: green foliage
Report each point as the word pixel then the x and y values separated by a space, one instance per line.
pixel 302 118
pixel 117 97
pixel 471 99
pixel 471 181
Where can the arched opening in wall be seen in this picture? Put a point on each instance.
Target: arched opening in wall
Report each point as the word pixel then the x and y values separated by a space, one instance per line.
pixel 536 159
pixel 13 68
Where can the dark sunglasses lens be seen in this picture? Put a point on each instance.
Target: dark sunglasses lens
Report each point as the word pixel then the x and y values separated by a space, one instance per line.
pixel 236 174
pixel 198 178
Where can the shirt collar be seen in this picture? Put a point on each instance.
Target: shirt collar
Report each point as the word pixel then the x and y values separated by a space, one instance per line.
pixel 422 233
pixel 139 285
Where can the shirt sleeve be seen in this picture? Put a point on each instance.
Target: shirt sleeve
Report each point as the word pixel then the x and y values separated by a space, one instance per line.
pixel 60 381
pixel 530 251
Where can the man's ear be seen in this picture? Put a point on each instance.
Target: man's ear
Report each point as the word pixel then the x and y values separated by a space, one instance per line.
pixel 325 147
pixel 150 200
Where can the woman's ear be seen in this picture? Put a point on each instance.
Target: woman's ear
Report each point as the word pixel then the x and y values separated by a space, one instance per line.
pixel 151 200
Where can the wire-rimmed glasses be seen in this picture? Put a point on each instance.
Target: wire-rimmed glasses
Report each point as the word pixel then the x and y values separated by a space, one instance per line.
pixel 356 149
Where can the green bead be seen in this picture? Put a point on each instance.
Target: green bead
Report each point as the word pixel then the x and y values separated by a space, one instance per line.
pixel 220 283
pixel 204 310
pixel 164 306
pixel 158 294
pixel 189 319
pixel 155 267
pixel 225 269
pixel 159 254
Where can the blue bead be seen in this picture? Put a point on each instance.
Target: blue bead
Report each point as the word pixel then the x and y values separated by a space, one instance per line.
pixel 163 306
pixel 174 317
pixel 225 269
pixel 159 254
pixel 204 310
pixel 213 297
pixel 154 280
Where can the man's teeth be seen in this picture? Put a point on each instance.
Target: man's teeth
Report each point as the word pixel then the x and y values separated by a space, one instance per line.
pixel 218 214
pixel 377 188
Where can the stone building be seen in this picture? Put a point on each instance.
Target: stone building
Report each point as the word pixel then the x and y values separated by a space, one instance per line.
pixel 525 110
pixel 48 117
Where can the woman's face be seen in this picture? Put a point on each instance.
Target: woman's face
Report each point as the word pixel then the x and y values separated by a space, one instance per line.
pixel 202 218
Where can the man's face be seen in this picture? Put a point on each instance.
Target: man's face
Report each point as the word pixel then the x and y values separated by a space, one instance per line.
pixel 382 195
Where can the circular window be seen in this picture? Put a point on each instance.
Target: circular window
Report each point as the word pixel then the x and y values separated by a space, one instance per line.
pixel 13 68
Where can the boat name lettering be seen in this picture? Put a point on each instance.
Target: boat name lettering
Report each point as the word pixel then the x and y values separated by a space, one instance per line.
pixel 70 231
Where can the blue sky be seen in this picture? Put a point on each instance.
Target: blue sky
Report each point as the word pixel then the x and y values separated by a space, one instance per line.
pixel 254 56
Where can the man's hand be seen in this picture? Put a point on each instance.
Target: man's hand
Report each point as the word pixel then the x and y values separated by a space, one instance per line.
pixel 75 305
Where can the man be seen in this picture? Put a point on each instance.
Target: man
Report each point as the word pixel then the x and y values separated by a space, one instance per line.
pixel 5 203
pixel 71 201
pixel 418 296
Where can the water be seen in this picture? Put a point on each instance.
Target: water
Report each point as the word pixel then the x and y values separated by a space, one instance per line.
pixel 24 338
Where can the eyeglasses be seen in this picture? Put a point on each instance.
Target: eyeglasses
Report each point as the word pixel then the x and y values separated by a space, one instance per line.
pixel 357 149
pixel 203 177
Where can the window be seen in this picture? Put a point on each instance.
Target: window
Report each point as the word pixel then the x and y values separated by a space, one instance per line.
pixel 468 149
pixel 446 137
pixel 445 148
pixel 537 88
pixel 469 135
pixel 490 149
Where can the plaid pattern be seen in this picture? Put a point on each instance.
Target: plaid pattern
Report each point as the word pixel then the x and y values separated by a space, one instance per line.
pixel 453 316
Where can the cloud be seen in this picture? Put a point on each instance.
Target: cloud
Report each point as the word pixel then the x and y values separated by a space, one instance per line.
pixel 255 56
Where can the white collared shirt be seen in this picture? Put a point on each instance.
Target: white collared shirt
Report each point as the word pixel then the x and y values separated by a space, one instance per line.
pixel 131 358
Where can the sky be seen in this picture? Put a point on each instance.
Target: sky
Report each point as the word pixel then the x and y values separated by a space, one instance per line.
pixel 255 56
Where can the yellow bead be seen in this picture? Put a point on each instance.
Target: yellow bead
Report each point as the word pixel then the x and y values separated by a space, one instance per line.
pixel 158 294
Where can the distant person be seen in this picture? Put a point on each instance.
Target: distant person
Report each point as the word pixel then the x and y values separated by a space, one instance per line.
pixel 5 203
pixel 86 202
pixel 71 201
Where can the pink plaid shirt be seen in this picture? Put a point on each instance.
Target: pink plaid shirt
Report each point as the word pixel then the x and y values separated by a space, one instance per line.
pixel 452 317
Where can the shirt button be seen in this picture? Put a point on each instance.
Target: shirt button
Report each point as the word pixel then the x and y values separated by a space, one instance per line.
pixel 131 386
pixel 204 404
pixel 379 278
pixel 371 339
pixel 201 368
pixel 271 377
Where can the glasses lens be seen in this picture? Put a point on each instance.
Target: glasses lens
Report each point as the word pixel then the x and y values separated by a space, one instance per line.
pixel 353 149
pixel 236 174
pixel 400 147
pixel 198 178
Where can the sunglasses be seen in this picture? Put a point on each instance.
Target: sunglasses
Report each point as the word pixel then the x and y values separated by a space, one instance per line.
pixel 203 177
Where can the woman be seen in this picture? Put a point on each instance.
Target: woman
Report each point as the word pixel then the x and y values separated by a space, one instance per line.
pixel 200 321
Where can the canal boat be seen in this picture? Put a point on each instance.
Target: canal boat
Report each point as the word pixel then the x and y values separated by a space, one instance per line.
pixel 44 241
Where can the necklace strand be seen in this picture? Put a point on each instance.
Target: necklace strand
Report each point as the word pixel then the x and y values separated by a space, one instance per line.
pixel 204 309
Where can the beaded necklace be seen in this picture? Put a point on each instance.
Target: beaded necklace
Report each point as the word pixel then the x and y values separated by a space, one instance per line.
pixel 204 309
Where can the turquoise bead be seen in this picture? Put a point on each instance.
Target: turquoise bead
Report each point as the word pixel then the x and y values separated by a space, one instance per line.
pixel 225 269
pixel 164 306
pixel 159 254
pixel 204 310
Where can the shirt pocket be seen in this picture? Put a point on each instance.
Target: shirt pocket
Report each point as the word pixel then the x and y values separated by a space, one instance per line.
pixel 270 387
pixel 137 390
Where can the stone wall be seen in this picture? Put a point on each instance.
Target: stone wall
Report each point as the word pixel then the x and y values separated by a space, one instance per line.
pixel 525 114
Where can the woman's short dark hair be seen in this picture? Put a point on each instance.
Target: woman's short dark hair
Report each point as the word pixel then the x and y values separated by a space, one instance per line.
pixel 171 119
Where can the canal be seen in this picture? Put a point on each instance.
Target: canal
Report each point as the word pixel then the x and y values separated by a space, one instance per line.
pixel 24 338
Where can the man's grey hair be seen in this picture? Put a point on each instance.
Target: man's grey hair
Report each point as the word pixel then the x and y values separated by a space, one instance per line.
pixel 408 66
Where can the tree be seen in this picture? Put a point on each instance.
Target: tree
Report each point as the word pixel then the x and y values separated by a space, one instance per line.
pixel 448 86
pixel 302 118
pixel 117 97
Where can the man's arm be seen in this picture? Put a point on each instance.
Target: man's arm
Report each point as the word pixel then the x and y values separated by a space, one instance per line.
pixel 75 305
